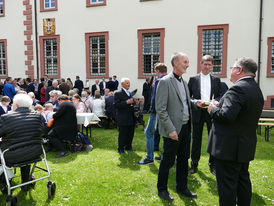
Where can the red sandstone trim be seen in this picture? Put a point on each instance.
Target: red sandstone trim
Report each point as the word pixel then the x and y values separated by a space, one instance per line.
pixel 267 102
pixel 140 33
pixel 6 52
pixel 269 52
pixel 224 27
pixel 43 9
pixel 87 37
pixel 88 4
pixel 42 54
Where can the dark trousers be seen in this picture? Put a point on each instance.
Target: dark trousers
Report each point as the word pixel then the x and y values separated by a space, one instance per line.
pixel 233 183
pixel 125 137
pixel 171 150
pixel 156 139
pixel 25 176
pixel 55 141
pixel 197 134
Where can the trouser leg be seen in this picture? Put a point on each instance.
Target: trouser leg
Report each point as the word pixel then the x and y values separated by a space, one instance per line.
pixel 244 189
pixel 196 143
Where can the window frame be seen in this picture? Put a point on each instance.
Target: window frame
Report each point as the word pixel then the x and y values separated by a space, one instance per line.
pixel 140 33
pixel 43 9
pixel 88 4
pixel 6 57
pixel 225 28
pixel 270 40
pixel 42 55
pixel 3 14
pixel 88 65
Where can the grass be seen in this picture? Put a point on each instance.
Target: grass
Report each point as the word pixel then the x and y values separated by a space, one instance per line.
pixel 103 177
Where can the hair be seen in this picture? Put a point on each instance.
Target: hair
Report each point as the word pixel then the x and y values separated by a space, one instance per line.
pixel 175 56
pixel 77 96
pixel 97 95
pixel 161 67
pixel 54 92
pixel 71 93
pixel 55 81
pixel 42 79
pixel 77 77
pixel 63 80
pixel 63 97
pixel 84 94
pixel 22 92
pixel 110 78
pixel 48 105
pixel 106 89
pixel 8 79
pixel 114 76
pixel 249 65
pixel 111 94
pixel 207 58
pixel 88 92
pixel 124 79
pixel 5 99
pixel 22 100
pixel 38 107
pixel 75 90
pixel 58 92
pixel 31 94
pixel 28 79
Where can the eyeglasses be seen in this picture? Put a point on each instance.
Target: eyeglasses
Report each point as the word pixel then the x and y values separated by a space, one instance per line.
pixel 235 67
pixel 51 96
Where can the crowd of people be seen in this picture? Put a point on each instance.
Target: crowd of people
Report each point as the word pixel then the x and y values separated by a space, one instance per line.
pixel 177 110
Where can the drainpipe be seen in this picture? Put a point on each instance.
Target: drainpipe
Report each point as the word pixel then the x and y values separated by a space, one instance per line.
pixel 260 42
pixel 36 40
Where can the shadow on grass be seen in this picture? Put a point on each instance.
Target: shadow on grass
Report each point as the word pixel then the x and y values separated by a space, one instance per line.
pixel 257 199
pixel 71 157
pixel 129 160
pixel 210 181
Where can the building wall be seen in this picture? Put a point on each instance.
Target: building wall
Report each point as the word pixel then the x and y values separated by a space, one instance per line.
pixel 123 18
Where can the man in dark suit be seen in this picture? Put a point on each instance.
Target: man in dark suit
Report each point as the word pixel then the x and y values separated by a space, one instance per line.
pixel 64 125
pixel 95 87
pixel 147 93
pixel 123 103
pixel 233 138
pixel 115 81
pixel 102 86
pixel 30 86
pixel 79 85
pixel 111 85
pixel 173 107
pixel 205 87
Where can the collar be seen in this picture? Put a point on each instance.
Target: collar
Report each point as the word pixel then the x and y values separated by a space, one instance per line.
pixel 177 77
pixel 246 77
pixel 205 76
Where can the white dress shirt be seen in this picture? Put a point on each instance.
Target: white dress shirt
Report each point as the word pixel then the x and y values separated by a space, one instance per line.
pixel 205 87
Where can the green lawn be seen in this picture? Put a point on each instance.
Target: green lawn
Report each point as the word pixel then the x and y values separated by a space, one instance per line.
pixel 103 177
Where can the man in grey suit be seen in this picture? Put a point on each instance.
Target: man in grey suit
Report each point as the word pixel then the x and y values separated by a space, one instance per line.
pixel 173 107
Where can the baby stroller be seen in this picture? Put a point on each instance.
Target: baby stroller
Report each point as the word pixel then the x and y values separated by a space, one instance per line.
pixel 7 168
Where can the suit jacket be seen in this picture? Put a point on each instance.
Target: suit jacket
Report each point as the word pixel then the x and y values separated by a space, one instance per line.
pixel 111 85
pixel 194 85
pixel 93 89
pixel 79 85
pixel 2 111
pixel 233 134
pixel 169 105
pixel 124 111
pixel 102 89
pixel 65 122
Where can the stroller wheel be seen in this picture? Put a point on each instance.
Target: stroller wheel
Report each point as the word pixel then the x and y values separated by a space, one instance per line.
pixel 51 188
pixel 11 200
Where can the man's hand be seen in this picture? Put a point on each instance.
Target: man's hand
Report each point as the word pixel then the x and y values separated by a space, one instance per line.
pixel 129 101
pixel 173 135
pixel 210 107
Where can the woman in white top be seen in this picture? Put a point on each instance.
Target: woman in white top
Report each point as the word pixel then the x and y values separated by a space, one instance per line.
pixel 98 105
pixel 80 106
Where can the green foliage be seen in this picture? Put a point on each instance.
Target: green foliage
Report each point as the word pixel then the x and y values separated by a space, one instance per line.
pixel 103 177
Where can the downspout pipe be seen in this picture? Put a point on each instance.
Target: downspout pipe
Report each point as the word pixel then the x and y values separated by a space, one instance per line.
pixel 36 41
pixel 260 42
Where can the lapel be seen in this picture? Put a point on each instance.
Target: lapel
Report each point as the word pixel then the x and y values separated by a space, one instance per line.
pixel 199 85
pixel 211 86
pixel 124 94
pixel 174 83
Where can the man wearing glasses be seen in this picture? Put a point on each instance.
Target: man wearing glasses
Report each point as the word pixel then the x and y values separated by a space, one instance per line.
pixel 53 96
pixel 232 140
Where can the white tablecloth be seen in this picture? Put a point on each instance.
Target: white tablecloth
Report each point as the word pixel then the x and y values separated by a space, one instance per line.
pixel 85 118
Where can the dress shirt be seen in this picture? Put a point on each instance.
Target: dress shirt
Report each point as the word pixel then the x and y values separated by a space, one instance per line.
pixel 128 93
pixel 205 87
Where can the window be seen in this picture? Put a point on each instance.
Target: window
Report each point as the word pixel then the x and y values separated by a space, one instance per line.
pixel 3 58
pixel 48 5
pixel 270 58
pixel 150 50
pixel 212 40
pixel 2 7
pixel 50 56
pixel 97 54
pixel 96 2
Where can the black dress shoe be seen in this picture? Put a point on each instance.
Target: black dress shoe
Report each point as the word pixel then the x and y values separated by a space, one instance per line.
pixel 192 170
pixel 62 154
pixel 186 192
pixel 121 151
pixel 158 158
pixel 165 195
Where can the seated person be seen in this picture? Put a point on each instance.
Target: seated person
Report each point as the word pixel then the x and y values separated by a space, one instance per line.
pixel 34 101
pixel 39 108
pixel 4 105
pixel 48 111
pixel 98 105
pixel 53 95
pixel 64 125
pixel 80 106
pixel 19 126
pixel 110 109
pixel 87 99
